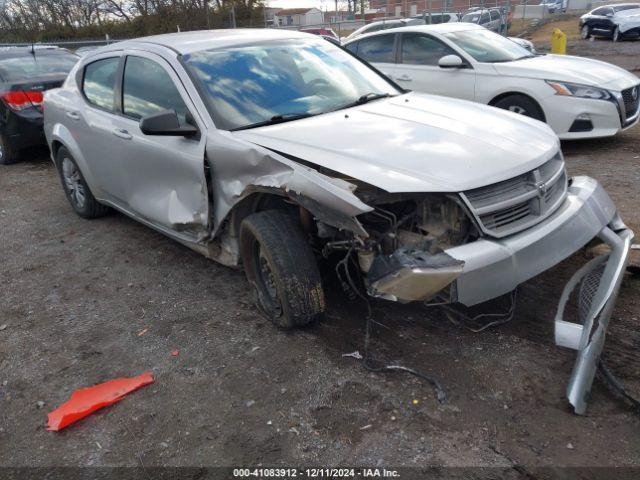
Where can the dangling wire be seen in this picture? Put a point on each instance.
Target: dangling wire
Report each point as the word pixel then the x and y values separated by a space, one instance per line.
pixel 367 361
pixel 502 318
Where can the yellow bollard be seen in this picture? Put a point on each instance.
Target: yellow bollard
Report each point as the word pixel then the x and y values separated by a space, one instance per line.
pixel 558 42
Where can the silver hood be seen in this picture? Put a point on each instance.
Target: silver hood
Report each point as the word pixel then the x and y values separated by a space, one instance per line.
pixel 565 68
pixel 415 143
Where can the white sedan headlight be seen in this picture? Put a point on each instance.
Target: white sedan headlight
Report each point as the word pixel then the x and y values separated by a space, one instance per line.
pixel 582 91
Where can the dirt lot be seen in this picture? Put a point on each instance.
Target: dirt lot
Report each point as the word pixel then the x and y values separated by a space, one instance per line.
pixel 77 294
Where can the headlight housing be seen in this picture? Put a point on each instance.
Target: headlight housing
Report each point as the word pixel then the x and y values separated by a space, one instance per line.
pixel 581 91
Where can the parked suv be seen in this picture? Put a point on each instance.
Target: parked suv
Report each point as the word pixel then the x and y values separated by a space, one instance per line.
pixel 273 149
pixel 490 18
pixel 25 74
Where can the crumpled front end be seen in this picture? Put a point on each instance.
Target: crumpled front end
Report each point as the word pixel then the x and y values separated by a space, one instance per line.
pixel 467 262
pixel 598 283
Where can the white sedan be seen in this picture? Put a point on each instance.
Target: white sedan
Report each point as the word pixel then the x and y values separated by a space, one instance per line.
pixel 578 97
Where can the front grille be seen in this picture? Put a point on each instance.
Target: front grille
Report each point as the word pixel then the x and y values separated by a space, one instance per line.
pixel 512 205
pixel 631 98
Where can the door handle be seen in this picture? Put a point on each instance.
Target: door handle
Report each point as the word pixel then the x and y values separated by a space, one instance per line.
pixel 122 133
pixel 73 115
pixel 404 78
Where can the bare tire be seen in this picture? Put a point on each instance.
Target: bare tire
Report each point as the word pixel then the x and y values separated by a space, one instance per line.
pixel 522 105
pixel 76 188
pixel 280 265
pixel 7 154
pixel 585 32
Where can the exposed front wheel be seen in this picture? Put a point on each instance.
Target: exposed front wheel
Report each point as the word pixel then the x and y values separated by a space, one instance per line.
pixel 616 35
pixel 280 265
pixel 520 104
pixel 585 32
pixel 76 188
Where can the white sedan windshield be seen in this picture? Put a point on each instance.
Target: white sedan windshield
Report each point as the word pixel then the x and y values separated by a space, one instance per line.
pixel 250 84
pixel 486 46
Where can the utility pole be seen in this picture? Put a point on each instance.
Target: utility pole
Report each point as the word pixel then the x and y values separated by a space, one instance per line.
pixel 206 12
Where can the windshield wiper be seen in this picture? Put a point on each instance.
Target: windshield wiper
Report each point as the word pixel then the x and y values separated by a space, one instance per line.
pixel 280 118
pixel 364 99
pixel 513 59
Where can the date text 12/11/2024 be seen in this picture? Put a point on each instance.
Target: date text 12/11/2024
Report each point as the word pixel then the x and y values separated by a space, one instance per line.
pixel 314 473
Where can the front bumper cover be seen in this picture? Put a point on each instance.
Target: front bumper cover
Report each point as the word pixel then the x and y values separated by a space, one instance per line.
pixel 494 267
pixel 488 268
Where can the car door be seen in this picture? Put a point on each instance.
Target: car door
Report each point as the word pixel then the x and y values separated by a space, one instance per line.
pixel 599 22
pixel 418 69
pixel 162 178
pixel 379 50
pixel 495 22
pixel 92 120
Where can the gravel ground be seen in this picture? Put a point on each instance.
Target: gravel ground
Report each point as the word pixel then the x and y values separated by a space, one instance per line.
pixel 87 301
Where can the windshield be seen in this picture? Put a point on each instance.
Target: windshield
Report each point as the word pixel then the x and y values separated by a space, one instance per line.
pixel 29 66
pixel 471 18
pixel 486 46
pixel 252 84
pixel 622 8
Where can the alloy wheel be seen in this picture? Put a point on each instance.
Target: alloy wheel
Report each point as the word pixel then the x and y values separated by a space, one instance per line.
pixel 73 183
pixel 517 109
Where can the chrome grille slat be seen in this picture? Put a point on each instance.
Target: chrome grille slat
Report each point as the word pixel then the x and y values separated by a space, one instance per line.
pixel 512 205
pixel 631 105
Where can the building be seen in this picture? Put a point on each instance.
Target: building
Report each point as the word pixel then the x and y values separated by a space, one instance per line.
pixel 409 8
pixel 298 17
pixel 269 15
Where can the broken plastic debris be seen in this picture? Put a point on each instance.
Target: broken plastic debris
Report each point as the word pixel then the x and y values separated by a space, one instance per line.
pixel 85 401
pixel 175 353
pixel 355 355
pixel 143 331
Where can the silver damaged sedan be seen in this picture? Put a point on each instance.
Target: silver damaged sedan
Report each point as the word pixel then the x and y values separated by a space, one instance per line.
pixel 271 149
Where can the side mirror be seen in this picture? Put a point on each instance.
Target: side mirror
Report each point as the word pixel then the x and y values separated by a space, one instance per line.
pixel 166 123
pixel 450 61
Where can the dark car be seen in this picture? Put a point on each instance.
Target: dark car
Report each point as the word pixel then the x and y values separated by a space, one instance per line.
pixel 25 74
pixel 323 32
pixel 613 21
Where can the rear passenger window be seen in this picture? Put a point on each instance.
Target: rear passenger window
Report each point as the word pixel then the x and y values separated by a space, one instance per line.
pixel 378 49
pixel 147 89
pixel 494 15
pixel 486 18
pixel 99 82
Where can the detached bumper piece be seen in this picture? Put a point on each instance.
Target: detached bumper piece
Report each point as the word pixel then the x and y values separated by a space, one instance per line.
pixel 598 283
pixel 411 275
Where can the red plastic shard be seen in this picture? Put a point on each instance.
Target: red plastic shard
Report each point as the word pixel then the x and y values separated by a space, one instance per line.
pixel 85 401
pixel 175 353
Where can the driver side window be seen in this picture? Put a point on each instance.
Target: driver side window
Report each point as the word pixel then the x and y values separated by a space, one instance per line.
pixel 148 89
pixel 419 49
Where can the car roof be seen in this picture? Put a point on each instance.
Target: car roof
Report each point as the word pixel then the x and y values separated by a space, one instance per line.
pixel 16 52
pixel 187 42
pixel 440 28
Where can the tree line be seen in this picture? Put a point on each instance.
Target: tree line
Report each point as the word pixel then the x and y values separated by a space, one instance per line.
pixel 43 20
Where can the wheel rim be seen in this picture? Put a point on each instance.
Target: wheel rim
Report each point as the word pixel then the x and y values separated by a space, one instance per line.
pixel 585 31
pixel 73 183
pixel 267 283
pixel 616 35
pixel 517 109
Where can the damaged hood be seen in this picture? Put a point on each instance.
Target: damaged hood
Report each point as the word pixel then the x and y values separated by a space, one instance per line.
pixel 415 143
pixel 566 68
pixel 628 19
